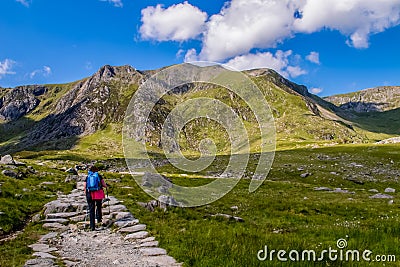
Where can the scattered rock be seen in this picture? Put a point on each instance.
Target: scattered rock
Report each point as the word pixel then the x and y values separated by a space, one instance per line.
pixel 7 160
pixel 390 202
pixel 390 190
pixel 354 180
pixel 305 175
pixel 234 208
pixel 9 173
pixel 381 196
pixel 165 201
pixel 322 188
pixel 342 191
pixel 373 191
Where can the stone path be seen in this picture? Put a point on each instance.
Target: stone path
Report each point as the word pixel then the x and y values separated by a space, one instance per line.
pixel 121 241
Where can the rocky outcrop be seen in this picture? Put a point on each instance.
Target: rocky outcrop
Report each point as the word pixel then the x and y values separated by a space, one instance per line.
pixel 370 100
pixel 394 140
pixel 80 109
pixel 20 101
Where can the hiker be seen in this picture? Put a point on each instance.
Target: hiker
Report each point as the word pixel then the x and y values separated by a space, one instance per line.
pixel 94 185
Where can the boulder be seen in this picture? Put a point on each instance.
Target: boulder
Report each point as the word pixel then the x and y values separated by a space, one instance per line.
pixel 390 190
pixel 9 173
pixel 322 188
pixel 7 160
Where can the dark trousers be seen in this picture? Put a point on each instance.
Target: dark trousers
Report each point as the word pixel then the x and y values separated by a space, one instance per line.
pixel 94 210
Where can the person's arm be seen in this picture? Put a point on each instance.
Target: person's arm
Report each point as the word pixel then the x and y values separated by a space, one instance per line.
pixel 84 187
pixel 103 183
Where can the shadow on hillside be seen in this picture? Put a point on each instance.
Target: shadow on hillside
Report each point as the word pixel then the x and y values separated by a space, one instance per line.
pixel 54 132
pixel 387 122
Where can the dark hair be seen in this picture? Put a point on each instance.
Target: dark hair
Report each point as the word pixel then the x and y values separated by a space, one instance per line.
pixel 93 169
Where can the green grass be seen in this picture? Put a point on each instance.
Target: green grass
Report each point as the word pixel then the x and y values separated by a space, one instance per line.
pixel 287 204
pixel 21 198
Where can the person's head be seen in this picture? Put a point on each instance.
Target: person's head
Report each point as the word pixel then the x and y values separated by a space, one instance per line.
pixel 93 169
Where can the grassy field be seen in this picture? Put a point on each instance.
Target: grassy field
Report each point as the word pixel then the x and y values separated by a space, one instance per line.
pixel 285 213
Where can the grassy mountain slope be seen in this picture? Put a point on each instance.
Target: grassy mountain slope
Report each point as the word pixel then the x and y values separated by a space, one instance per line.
pixel 85 117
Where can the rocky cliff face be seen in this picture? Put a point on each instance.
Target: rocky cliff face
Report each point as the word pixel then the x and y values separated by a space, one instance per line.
pixel 19 101
pixel 370 100
pixel 85 108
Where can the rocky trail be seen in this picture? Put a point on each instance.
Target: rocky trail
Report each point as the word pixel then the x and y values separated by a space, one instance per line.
pixel 120 241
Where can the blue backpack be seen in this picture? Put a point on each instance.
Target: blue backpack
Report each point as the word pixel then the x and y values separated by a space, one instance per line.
pixel 93 181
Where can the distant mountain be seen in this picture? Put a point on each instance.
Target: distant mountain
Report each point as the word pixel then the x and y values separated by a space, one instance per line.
pixel 88 114
pixel 369 100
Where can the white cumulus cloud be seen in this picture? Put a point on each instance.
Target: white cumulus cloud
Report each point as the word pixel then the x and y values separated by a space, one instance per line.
pixel 116 3
pixel 295 71
pixel 316 90
pixel 313 57
pixel 278 61
pixel 178 22
pixel 245 24
pixel 6 66
pixel 356 19
pixel 45 71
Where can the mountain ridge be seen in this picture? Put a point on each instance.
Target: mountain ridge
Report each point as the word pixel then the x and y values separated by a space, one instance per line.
pixel 60 116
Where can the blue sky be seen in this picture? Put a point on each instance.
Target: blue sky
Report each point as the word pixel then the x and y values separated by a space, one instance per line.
pixel 329 46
